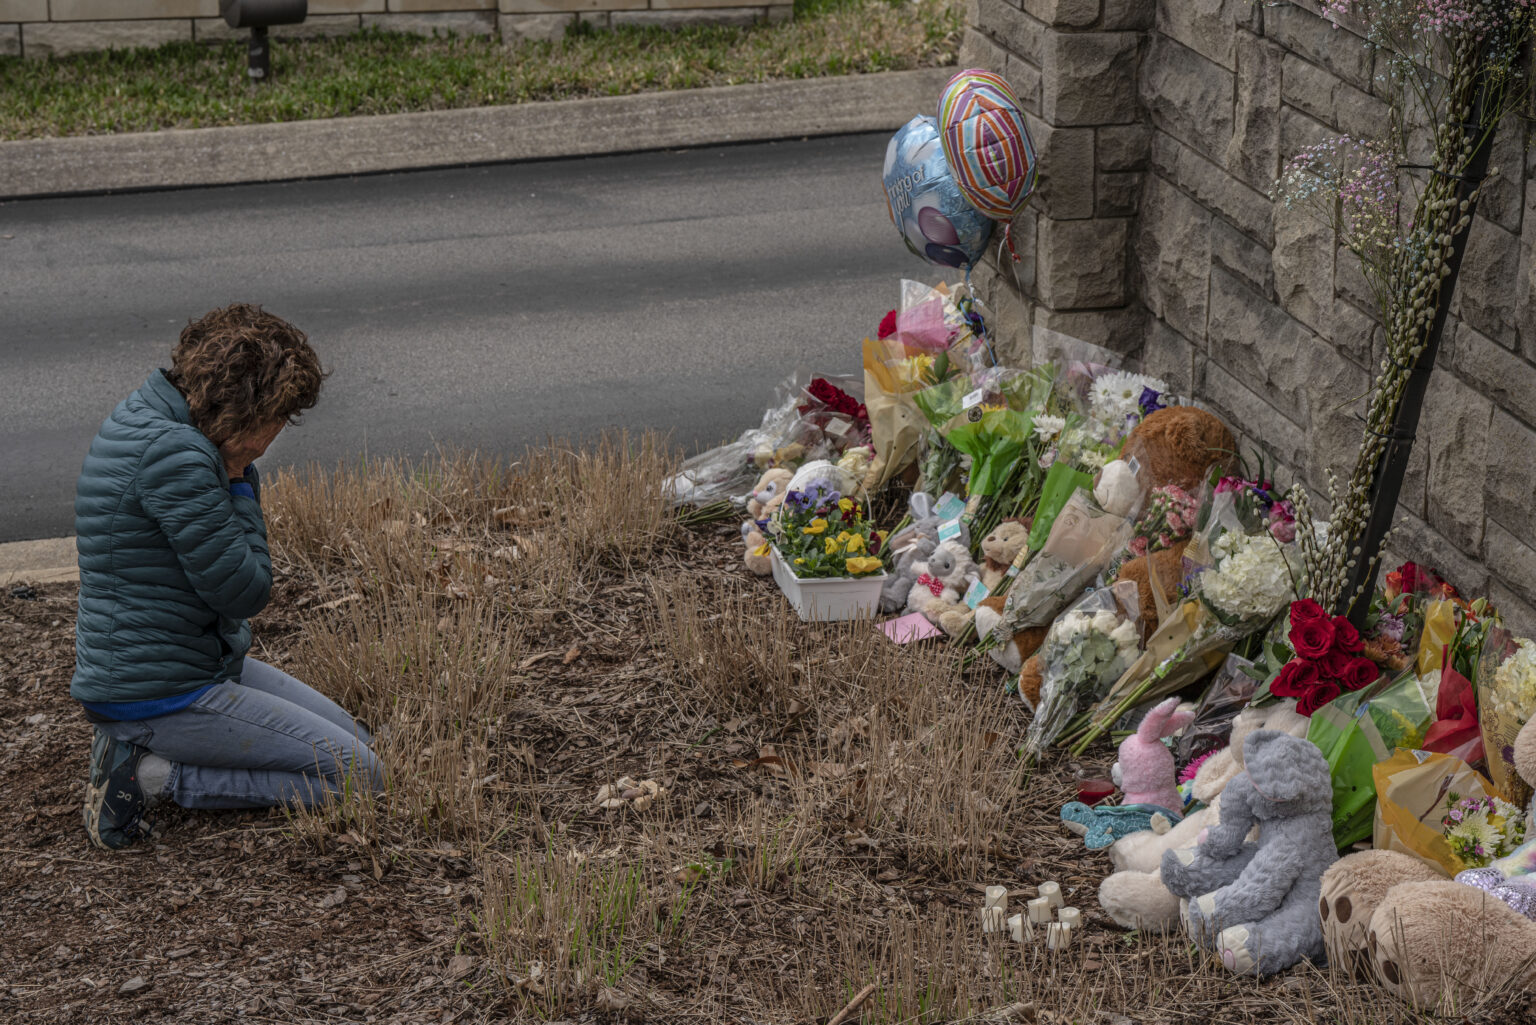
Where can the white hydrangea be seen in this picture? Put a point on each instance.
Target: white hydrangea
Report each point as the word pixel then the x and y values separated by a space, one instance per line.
pixel 1253 582
pixel 1514 683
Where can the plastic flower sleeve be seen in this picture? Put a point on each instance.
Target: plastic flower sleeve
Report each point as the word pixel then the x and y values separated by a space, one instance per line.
pixel 1506 699
pixel 1211 727
pixel 1082 540
pixel 1088 647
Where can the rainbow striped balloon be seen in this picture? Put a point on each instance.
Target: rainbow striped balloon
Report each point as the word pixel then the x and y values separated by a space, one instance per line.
pixel 986 143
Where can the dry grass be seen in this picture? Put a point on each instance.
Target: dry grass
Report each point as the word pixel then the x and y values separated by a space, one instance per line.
pixel 524 634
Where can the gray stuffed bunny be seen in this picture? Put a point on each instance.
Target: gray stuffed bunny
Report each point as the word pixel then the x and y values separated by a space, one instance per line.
pixel 1256 902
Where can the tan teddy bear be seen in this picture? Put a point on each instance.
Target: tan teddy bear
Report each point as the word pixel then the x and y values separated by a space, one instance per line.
pixel 763 501
pixel 1433 941
pixel 998 550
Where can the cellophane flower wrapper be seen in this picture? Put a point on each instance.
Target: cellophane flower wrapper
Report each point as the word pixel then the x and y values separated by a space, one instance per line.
pixel 1506 698
pixel 1358 730
pixel 1083 539
pixel 785 437
pixel 1411 790
pixel 896 424
pixel 931 339
pixel 1211 729
pixel 1088 647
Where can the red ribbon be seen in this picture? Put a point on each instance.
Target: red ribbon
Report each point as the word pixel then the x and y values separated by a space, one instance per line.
pixel 933 584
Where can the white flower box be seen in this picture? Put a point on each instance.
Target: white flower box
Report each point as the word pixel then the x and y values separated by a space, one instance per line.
pixel 829 598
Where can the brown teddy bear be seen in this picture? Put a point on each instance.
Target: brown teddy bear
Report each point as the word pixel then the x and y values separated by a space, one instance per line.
pixel 1168 566
pixel 763 501
pixel 998 550
pixel 1433 941
pixel 1179 445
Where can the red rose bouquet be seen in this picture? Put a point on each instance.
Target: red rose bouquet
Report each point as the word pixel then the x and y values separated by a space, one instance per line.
pixel 1328 661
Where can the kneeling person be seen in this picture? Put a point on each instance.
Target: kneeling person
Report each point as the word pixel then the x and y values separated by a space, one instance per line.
pixel 173 562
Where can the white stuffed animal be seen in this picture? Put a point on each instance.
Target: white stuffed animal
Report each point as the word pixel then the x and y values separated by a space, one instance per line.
pixel 1134 896
pixel 942 579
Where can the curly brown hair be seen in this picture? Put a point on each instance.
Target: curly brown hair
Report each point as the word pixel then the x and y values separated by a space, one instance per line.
pixel 241 368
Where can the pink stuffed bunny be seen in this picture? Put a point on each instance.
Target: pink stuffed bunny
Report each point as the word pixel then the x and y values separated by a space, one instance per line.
pixel 1145 770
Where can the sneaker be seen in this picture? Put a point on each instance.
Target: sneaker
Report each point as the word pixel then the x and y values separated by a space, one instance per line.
pixel 113 800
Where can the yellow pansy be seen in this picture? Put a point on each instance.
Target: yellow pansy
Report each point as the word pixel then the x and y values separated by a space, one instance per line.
pixel 845 504
pixel 817 526
pixel 854 544
pixel 863 564
pixel 831 546
pixel 761 549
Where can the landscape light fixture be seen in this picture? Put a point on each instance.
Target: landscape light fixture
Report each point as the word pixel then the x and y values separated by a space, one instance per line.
pixel 258 16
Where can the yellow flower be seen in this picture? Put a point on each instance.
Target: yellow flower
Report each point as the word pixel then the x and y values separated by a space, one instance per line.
pixel 845 504
pixel 831 546
pixel 854 544
pixel 817 526
pixel 863 564
pixel 761 549
pixel 799 561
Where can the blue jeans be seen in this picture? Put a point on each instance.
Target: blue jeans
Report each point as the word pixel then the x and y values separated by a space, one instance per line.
pixel 263 741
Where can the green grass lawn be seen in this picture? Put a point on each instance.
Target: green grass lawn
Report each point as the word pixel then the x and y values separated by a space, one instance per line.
pixel 189 85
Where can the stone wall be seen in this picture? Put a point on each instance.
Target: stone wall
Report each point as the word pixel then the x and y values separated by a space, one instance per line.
pixel 41 28
pixel 1162 125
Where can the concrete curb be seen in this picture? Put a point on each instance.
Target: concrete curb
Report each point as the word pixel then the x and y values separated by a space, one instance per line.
pixel 479 135
pixel 38 562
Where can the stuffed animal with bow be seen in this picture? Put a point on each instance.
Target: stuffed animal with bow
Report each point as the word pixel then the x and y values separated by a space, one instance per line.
pixel 941 579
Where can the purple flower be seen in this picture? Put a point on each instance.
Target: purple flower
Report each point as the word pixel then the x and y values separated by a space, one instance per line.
pixel 821 489
pixel 797 501
pixel 1149 401
pixel 1390 626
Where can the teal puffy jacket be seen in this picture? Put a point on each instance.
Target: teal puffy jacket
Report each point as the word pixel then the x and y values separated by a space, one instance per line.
pixel 171 564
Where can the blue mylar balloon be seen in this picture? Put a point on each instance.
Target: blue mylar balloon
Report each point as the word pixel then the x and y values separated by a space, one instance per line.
pixel 925 202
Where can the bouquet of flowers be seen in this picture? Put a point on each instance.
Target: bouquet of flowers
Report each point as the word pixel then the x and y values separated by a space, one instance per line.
pixel 1328 659
pixel 1167 518
pixel 819 533
pixel 1239 576
pixel 1506 699
pixel 1481 830
pixel 1117 400
pixel 1359 729
pixel 819 418
pixel 1086 650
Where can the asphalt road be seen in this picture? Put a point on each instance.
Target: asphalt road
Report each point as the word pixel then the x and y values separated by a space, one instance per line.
pixel 484 308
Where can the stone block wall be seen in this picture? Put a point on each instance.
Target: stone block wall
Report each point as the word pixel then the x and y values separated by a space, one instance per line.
pixel 42 28
pixel 1162 126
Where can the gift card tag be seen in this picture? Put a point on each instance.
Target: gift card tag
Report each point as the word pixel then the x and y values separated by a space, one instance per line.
pixel 973 399
pixel 1134 464
pixel 949 530
pixel 949 506
pixel 976 594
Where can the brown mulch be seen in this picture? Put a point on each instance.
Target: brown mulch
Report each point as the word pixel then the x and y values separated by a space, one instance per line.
pixel 252 916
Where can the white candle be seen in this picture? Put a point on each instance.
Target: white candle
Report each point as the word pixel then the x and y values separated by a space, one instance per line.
pixel 1040 910
pixel 1052 893
pixel 1058 936
pixel 991 919
pixel 997 897
pixel 1070 917
pixel 1020 928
